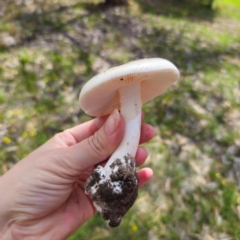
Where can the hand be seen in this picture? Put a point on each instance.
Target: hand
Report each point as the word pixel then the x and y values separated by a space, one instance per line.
pixel 42 196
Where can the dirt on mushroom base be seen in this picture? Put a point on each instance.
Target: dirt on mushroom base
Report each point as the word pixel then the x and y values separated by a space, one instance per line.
pixel 113 203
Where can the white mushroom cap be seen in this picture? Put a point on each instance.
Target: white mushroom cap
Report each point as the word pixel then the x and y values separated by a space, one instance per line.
pixel 100 95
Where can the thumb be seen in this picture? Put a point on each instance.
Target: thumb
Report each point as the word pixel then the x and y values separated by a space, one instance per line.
pixel 98 147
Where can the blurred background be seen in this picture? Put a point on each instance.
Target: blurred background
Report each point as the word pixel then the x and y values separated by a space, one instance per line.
pixel 49 49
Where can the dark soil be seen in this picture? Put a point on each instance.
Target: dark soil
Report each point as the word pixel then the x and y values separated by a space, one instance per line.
pixel 115 204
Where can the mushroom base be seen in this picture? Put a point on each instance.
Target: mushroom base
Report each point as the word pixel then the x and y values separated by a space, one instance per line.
pixel 113 195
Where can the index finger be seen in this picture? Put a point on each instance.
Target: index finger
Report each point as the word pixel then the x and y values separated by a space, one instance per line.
pixel 87 129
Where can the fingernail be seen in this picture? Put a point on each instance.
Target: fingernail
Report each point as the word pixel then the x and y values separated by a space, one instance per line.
pixel 112 122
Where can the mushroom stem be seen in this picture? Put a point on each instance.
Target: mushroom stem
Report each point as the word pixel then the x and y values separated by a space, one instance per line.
pixel 130 108
pixel 114 187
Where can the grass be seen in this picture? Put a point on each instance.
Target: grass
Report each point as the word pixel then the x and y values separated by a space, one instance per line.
pixel 228 8
pixel 49 50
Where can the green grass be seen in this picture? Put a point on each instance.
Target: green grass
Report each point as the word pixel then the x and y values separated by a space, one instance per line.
pixel 45 58
pixel 228 4
pixel 227 8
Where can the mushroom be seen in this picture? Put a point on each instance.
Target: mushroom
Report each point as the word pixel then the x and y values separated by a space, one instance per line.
pixel 114 187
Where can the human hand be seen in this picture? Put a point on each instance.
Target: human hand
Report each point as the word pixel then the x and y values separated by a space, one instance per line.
pixel 42 196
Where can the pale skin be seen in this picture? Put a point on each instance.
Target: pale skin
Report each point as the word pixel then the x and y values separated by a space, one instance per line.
pixel 42 197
